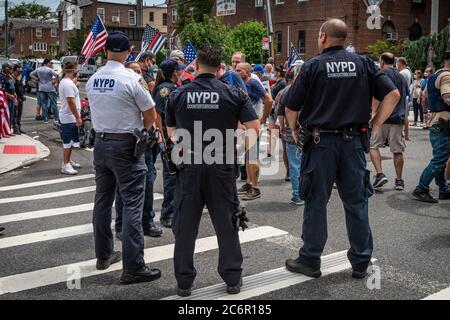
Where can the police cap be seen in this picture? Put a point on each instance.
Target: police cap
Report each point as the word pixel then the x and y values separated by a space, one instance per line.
pixel 117 42
pixel 447 54
pixel 170 65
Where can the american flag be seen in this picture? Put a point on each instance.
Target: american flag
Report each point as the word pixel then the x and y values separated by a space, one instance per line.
pixel 292 57
pixel 152 40
pixel 96 39
pixel 189 53
pixel 5 128
pixel 131 55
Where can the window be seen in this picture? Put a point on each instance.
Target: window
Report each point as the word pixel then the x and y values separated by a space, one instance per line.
pixel 151 16
pixel 301 42
pixel 164 22
pixel 278 42
pixel 65 20
pixel 279 2
pixel 191 12
pixel 174 15
pixel 39 32
pixel 53 33
pixel 101 13
pixel 74 18
pixel 131 17
pixel 415 31
pixel 258 3
pixel 40 46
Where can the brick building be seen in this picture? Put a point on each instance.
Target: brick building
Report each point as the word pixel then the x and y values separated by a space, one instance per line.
pixel 33 38
pixel 156 16
pixel 297 22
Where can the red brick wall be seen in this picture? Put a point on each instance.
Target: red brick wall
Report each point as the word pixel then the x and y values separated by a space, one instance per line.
pixel 27 36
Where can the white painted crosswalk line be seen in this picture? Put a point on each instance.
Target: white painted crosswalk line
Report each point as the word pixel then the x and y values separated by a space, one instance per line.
pixel 46 182
pixel 46 277
pixel 55 212
pixel 441 295
pixel 265 282
pixel 48 195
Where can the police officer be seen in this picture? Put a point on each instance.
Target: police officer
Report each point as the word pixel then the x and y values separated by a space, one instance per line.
pixel 210 104
pixel 436 92
pixel 334 93
pixel 166 81
pixel 118 102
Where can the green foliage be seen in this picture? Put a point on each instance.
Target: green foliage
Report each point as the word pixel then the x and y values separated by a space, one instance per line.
pixel 182 16
pixel 247 37
pixel 29 11
pixel 210 30
pixel 76 41
pixel 416 52
pixel 201 8
pixel 382 46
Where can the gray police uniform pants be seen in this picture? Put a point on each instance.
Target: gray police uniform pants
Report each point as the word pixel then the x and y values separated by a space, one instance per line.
pixel 114 165
pixel 344 162
pixel 215 187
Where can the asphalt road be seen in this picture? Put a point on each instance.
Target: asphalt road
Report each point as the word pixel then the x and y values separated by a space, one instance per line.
pixel 41 247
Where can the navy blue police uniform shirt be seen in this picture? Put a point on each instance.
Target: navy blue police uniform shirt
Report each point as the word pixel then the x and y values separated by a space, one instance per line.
pixel 399 113
pixel 209 100
pixel 161 95
pixel 335 89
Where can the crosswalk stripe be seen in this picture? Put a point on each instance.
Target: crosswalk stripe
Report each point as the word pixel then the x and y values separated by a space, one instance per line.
pixel 55 212
pixel 441 295
pixel 46 182
pixel 46 277
pixel 48 195
pixel 268 281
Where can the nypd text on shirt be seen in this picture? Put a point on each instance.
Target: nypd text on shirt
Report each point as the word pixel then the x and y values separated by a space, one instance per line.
pixel 203 101
pixel 341 69
pixel 103 85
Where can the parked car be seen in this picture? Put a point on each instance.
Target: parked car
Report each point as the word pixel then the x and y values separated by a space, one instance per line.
pixel 36 63
pixel 85 70
pixel 4 60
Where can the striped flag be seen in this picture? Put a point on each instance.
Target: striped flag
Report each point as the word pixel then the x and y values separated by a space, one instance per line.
pixel 96 39
pixel 292 57
pixel 131 55
pixel 152 40
pixel 5 128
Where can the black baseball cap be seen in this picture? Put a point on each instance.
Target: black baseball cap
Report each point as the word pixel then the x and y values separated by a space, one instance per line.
pixel 46 61
pixel 170 65
pixel 447 54
pixel 117 42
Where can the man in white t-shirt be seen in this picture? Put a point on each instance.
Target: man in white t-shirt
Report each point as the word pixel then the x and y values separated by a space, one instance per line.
pixel 69 116
pixel 402 66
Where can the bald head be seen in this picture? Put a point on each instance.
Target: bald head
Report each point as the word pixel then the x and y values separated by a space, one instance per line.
pixel 332 33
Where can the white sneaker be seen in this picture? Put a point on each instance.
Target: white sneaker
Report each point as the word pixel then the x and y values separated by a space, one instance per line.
pixel 74 164
pixel 68 169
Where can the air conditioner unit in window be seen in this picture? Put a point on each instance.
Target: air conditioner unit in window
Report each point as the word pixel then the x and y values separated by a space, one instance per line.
pixel 115 19
pixel 392 36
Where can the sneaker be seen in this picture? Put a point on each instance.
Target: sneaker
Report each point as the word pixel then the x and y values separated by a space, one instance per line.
pixel 297 202
pixel 103 264
pixel 399 184
pixel 444 195
pixel 74 164
pixel 145 274
pixel 380 180
pixel 38 117
pixel 235 289
pixel 184 292
pixel 166 222
pixel 1 230
pixel 45 121
pixel 154 231
pixel 424 196
pixel 68 169
pixel 287 178
pixel 297 267
pixel 244 189
pixel 252 194
pixel 361 274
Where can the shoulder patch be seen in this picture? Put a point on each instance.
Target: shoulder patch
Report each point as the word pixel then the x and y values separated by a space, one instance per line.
pixel 164 92
pixel 143 83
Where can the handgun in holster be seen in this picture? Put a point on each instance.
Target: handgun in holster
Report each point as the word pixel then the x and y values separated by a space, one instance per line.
pixel 364 134
pixel 239 218
pixel 141 142
pixel 304 135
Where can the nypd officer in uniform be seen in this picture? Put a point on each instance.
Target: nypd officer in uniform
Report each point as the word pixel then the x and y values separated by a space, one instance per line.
pixel 119 105
pixel 211 104
pixel 334 93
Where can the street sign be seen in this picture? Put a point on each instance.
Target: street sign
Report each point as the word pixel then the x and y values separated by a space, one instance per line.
pixel 265 44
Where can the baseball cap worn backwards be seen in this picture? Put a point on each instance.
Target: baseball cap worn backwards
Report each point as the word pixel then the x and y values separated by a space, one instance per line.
pixel 117 42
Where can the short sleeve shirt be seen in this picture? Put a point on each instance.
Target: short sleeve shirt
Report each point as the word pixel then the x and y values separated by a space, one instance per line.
pixel 117 98
pixel 45 75
pixel 68 89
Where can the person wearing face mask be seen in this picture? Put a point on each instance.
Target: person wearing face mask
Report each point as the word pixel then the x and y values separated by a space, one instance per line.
pixel 170 72
pixel 146 62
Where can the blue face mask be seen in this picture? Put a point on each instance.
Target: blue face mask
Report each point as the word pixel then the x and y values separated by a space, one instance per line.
pixel 152 69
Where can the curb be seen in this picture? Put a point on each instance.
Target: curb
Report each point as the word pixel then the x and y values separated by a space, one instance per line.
pixel 42 152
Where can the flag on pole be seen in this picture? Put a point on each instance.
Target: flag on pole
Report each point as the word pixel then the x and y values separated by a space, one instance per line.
pixel 292 57
pixel 131 55
pixel 189 53
pixel 96 39
pixel 152 40
pixel 5 128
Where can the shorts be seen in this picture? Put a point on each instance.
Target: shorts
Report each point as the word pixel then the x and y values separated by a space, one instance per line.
pixel 393 133
pixel 70 135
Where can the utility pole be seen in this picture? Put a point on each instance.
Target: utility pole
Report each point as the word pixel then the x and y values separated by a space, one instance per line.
pixel 6 29
pixel 268 10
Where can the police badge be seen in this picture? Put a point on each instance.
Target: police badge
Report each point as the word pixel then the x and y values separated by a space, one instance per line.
pixel 164 92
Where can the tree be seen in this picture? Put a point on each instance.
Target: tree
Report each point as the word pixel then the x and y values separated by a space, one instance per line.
pixel 210 30
pixel 382 46
pixel 201 8
pixel 247 37
pixel 76 41
pixel 30 11
pixel 182 17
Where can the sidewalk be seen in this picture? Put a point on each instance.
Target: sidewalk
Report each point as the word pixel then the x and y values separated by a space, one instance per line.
pixel 19 151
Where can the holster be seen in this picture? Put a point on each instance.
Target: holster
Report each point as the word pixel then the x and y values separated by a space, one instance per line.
pixel 141 142
pixel 239 219
pixel 304 136
pixel 364 134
